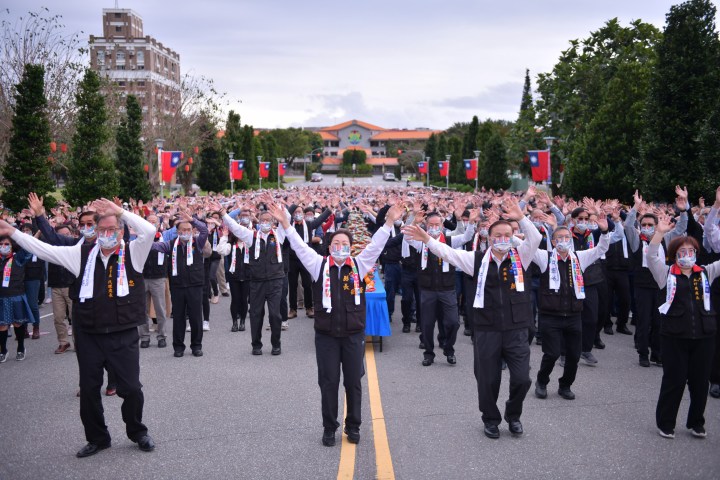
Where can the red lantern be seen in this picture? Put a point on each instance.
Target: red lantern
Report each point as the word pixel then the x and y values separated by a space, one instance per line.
pixel 187 168
pixel 182 155
pixel 196 150
pixel 146 168
pixel 53 147
pixel 63 148
pixel 156 150
pixel 190 160
pixel 51 160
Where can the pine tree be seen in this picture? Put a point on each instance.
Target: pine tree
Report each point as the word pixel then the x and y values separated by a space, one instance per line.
pixel 494 173
pixel 91 173
pixel 440 152
pixel 130 154
pixel 27 167
pixel 247 150
pixel 470 139
pixel 213 175
pixel 524 136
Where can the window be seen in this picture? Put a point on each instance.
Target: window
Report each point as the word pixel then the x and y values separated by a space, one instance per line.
pixel 117 14
pixel 120 57
pixel 101 57
pixel 118 29
pixel 140 57
pixel 120 67
pixel 121 83
pixel 141 83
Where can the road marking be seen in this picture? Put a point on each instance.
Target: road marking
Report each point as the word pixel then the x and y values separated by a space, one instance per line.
pixel 383 459
pixel 346 469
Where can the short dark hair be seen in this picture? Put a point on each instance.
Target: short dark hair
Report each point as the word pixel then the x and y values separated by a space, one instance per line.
pixel 341 231
pixel 677 242
pixel 575 213
pixel 497 224
pixel 95 216
pixel 649 215
pixel 309 210
pixel 562 227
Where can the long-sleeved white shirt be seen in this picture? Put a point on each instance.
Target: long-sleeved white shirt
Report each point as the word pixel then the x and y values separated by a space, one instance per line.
pixel 246 235
pixel 660 271
pixel 70 257
pixel 456 241
pixel 585 257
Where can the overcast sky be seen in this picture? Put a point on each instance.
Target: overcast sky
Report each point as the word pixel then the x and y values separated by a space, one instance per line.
pixel 393 63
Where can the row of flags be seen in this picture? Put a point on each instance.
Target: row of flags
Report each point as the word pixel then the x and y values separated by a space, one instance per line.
pixel 169 161
pixel 237 168
pixel 539 165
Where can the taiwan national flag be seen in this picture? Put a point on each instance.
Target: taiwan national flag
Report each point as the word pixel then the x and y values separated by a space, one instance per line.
pixel 540 165
pixel 236 169
pixel 444 168
pixel 282 168
pixel 169 162
pixel 471 169
pixel 264 169
pixel 422 167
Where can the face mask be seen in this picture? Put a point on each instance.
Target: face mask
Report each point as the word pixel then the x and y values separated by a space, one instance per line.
pixel 298 217
pixel 483 232
pixel 5 249
pixel 88 232
pixel 582 227
pixel 244 221
pixel 648 231
pixel 340 253
pixel 501 244
pixel 265 227
pixel 685 262
pixel 434 231
pixel 185 237
pixel 564 246
pixel 537 224
pixel 309 218
pixel 110 241
pixel 398 223
pixel 593 226
pixel 465 223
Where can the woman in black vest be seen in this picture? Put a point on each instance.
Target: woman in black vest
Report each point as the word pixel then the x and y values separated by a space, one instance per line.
pixel 687 332
pixel 339 300
pixel 237 260
pixel 14 306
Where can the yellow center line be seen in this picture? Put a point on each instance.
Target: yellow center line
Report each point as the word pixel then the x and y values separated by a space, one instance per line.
pixel 383 460
pixel 346 469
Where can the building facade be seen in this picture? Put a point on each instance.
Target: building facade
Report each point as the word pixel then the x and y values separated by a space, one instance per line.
pixel 137 64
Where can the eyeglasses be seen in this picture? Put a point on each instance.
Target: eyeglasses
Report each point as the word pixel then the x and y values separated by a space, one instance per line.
pixel 87 224
pixel 647 224
pixel 685 252
pixel 107 231
pixel 563 238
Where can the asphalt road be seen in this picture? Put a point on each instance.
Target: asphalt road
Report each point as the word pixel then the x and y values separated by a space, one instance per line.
pixel 335 181
pixel 229 414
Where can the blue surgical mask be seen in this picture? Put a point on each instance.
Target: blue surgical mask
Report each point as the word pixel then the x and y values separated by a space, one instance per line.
pixel 340 253
pixel 564 246
pixel 88 232
pixel 109 241
pixel 185 237
pixel 434 231
pixel 298 217
pixel 483 232
pixel 648 231
pixel 582 226
pixel 244 221
pixel 5 250
pixel 265 227
pixel 687 261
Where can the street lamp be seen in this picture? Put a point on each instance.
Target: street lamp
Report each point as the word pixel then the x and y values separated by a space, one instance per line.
pixel 477 168
pixel 427 162
pixel 278 171
pixel 159 144
pixel 354 167
pixel 310 155
pixel 549 142
pixel 232 179
pixel 447 178
pixel 259 157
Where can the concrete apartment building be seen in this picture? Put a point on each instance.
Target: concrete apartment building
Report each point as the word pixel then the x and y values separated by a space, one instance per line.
pixel 137 64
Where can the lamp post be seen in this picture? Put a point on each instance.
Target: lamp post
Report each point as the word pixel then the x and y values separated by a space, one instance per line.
pixel 278 171
pixel 477 168
pixel 259 157
pixel 427 162
pixel 232 180
pixel 159 144
pixel 354 167
pixel 549 142
pixel 447 177
pixel 310 155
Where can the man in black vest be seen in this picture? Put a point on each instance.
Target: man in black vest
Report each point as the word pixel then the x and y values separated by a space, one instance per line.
pixel 108 306
pixel 187 278
pixel 155 274
pixel 501 313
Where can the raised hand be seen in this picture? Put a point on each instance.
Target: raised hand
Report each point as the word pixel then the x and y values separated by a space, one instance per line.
pixel 682 197
pixel 36 204
pixel 511 207
pixel 394 213
pixel 664 225
pixel 414 232
pixel 104 206
pixel 602 223
pixel 637 199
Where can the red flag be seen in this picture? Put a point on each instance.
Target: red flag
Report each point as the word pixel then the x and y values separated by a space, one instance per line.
pixel 540 165
pixel 236 170
pixel 264 169
pixel 444 168
pixel 282 168
pixel 170 161
pixel 471 168
pixel 422 167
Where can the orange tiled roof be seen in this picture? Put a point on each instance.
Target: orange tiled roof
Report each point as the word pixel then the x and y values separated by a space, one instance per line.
pixel 327 136
pixel 340 126
pixel 331 161
pixel 388 162
pixel 404 135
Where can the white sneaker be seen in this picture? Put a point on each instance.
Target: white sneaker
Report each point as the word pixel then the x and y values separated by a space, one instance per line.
pixel 48 300
pixel 69 330
pixel 187 329
pixel 285 325
pixel 206 326
pixel 267 327
pixel 215 299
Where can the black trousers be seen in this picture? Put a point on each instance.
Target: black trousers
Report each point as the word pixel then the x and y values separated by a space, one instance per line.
pixel 334 353
pixel 239 294
pixel 393 279
pixel 489 349
pixel 604 303
pixel 187 302
pixel 558 332
pixel 206 292
pixel 591 307
pixel 261 292
pixel 120 352
pixel 618 286
pixel 647 323
pixel 212 273
pixel 410 301
pixel 297 268
pixel 446 302
pixel 284 300
pixel 685 361
pixel 715 298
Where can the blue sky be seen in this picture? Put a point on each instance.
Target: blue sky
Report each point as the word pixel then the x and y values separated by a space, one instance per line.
pixel 393 63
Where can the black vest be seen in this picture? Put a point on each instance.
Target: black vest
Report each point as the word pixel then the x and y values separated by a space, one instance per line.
pixel 187 275
pixel 240 273
pixel 687 317
pixel 593 274
pixel 432 277
pixel 346 318
pixel 615 258
pixel 504 307
pixel 561 302
pixel 153 268
pixel 35 270
pixel 413 261
pixel 105 312
pixel 642 276
pixel 17 278
pixel 59 277
pixel 266 266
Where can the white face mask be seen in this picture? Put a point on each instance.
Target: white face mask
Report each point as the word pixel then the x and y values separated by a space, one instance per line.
pixel 185 237
pixel 88 232
pixel 483 232
pixel 244 221
pixel 685 262
pixel 434 231
pixel 501 244
pixel 309 218
pixel 265 227
pixel 581 227
pixel 340 253
pixel 110 241
pixel 648 231
pixel 298 217
pixel 564 246
pixel 5 250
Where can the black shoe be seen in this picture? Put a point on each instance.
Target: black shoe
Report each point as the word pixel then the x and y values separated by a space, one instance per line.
pixel 234 327
pixel 566 393
pixel 515 427
pixel 491 431
pixel 197 353
pixel 715 390
pixel 644 361
pixel 427 362
pixel 624 330
pixel 162 343
pixel 353 434
pixel 540 390
pixel 451 359
pixel 275 351
pixel 328 438
pixel 608 330
pixel 242 326
pixel 599 344
pixel 144 343
pixel 179 354
pixel 417 329
pixel 91 449
pixel 146 444
pixel 257 351
pixel 503 365
pixel 225 294
pixel 406 328
pixel 467 332
pixel 656 359
pixel 538 341
pixel 422 346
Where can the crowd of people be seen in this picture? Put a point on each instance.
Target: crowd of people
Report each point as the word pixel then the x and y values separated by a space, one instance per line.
pixel 504 268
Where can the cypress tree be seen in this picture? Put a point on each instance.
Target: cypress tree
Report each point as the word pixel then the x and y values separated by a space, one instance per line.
pixel 213 175
pixel 130 155
pixel 494 172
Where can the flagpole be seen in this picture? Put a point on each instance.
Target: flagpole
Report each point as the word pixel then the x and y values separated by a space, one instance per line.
pixel 278 172
pixel 447 177
pixel 159 145
pixel 549 142
pixel 259 167
pixel 232 178
pixel 477 168
pixel 427 163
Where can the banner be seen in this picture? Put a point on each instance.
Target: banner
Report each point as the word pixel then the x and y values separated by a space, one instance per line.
pixel 540 165
pixel 264 169
pixel 169 161
pixel 422 167
pixel 444 168
pixel 282 168
pixel 237 167
pixel 471 169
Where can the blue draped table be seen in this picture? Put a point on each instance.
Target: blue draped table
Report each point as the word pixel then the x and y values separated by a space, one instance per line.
pixel 377 319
